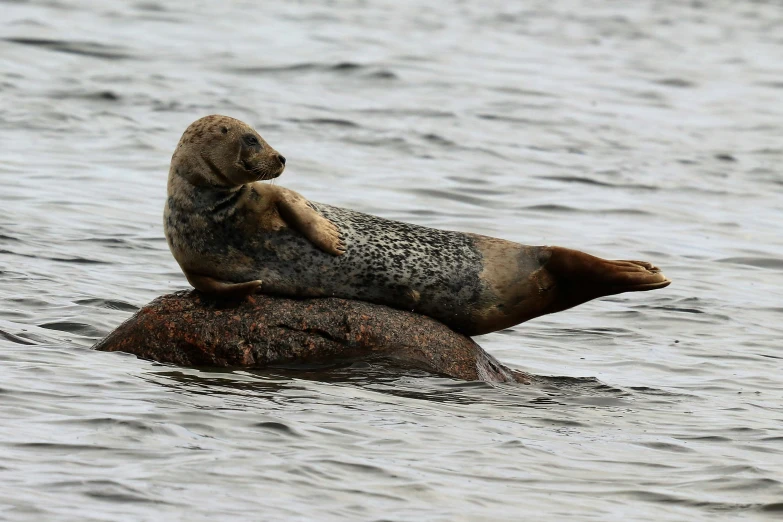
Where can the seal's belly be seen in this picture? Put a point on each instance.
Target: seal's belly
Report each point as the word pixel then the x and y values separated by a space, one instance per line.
pixel 434 272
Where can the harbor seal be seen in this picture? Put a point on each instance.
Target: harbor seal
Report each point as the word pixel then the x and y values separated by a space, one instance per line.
pixel 233 235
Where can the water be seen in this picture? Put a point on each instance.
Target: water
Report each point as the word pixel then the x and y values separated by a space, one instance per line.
pixel 633 130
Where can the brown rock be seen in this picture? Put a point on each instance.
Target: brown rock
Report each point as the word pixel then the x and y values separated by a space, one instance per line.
pixel 188 329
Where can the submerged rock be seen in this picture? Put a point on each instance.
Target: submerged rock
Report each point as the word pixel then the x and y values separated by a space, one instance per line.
pixel 188 329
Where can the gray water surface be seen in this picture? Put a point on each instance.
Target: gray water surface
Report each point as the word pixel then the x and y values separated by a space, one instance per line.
pixel 638 130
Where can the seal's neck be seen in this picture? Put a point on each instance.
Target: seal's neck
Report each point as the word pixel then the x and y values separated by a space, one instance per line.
pixel 197 168
pixel 185 194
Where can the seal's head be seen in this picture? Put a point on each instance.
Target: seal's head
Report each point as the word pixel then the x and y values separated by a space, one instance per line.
pixel 224 152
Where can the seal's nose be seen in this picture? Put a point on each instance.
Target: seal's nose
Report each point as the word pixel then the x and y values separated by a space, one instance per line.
pixel 281 158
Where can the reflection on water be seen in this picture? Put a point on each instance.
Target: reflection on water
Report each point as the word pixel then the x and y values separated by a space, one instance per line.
pixel 631 130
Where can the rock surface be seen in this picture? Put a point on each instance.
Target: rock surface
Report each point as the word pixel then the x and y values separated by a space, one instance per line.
pixel 188 329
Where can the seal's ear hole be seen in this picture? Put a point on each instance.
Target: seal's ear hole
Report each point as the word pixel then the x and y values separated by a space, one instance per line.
pixel 224 130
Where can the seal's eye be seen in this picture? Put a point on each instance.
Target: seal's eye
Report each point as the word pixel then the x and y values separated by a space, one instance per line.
pixel 250 140
pixel 224 130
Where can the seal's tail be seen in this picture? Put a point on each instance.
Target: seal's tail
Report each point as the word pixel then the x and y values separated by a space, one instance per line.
pixel 580 277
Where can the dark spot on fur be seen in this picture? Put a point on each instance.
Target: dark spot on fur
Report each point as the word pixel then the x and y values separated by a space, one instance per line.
pixel 229 200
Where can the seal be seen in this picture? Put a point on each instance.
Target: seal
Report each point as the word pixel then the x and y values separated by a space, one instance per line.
pixel 233 235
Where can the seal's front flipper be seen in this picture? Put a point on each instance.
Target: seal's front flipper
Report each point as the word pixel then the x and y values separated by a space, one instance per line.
pixel 222 289
pixel 302 217
pixel 580 277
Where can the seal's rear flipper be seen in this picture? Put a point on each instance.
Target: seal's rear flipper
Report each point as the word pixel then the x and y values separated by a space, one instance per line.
pixel 580 277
